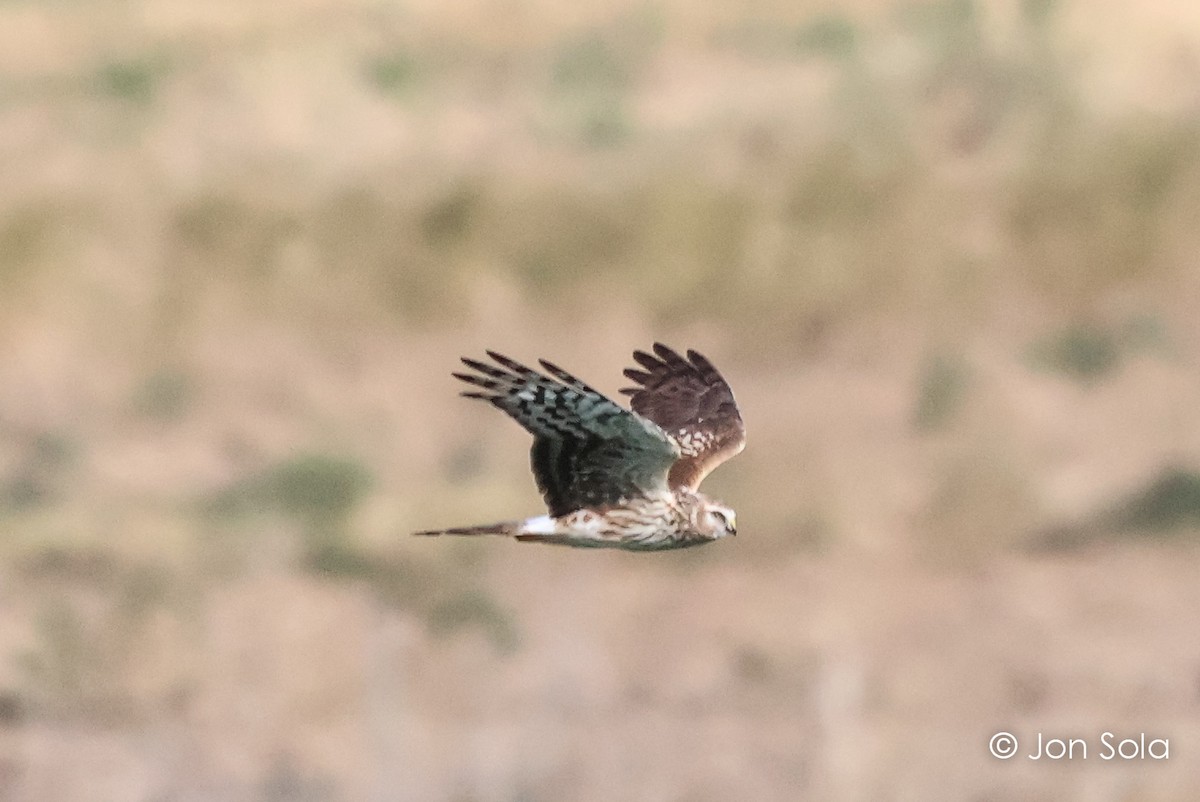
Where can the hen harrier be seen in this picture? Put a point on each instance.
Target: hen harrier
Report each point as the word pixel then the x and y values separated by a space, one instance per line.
pixel 611 477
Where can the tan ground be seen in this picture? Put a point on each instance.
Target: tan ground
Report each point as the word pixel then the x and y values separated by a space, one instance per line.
pixel 945 252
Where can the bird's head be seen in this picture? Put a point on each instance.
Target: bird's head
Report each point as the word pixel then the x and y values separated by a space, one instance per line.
pixel 715 520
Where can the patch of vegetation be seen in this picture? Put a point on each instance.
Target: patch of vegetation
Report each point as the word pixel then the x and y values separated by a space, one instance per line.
pixel 475 609
pixel 318 488
pixel 752 665
pixel 605 122
pixel 1088 352
pixel 596 120
pixel 942 21
pixel 27 235
pixel 41 475
pixel 393 73
pixel 80 663
pixel 590 79
pixel 408 259
pixel 12 709
pixel 290 780
pixel 143 588
pixel 1084 352
pixel 58 668
pixel 832 34
pixel 396 580
pixel 239 238
pixel 1086 208
pixel 316 491
pixel 590 63
pixel 76 565
pixel 165 395
pixel 1169 505
pixel 942 390
pixel 587 235
pixel 134 80
pixel 448 220
pixel 1170 502
pixel 1038 13
pixel 1146 333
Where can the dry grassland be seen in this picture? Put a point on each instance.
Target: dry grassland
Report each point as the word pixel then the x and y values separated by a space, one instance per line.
pixel 946 252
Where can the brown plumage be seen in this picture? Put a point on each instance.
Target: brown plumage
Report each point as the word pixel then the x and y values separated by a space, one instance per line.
pixel 691 401
pixel 612 477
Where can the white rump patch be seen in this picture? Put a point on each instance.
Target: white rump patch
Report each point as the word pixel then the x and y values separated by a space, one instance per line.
pixel 541 525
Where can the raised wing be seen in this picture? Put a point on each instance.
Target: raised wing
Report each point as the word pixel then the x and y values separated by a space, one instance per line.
pixel 587 450
pixel 691 401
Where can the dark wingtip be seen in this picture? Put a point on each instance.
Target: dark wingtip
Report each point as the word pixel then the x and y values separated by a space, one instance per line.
pixel 479 381
pixel 638 376
pixel 701 362
pixel 482 367
pixel 646 360
pixel 668 355
pixel 555 371
pixel 512 364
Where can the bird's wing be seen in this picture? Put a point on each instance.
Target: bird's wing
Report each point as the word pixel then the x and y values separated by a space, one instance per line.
pixel 587 450
pixel 692 402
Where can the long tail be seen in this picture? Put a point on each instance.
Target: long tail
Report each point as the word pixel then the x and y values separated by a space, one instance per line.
pixel 504 528
pixel 528 529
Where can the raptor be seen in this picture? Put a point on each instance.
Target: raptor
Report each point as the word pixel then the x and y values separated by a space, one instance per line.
pixel 615 477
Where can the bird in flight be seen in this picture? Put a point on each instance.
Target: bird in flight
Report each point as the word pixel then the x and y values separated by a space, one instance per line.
pixel 614 477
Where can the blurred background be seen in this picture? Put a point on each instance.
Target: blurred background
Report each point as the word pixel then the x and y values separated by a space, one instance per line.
pixel 945 251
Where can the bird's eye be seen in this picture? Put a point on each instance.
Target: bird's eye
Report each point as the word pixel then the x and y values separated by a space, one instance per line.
pixel 720 516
